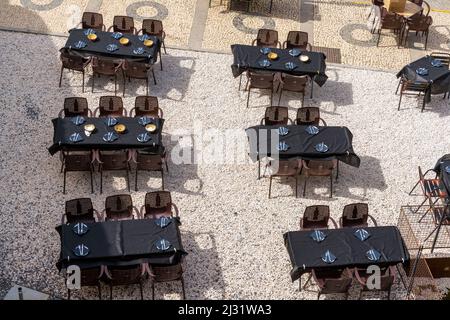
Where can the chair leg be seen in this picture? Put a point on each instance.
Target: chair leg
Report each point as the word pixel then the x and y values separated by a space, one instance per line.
pixel 240 82
pixel 379 35
pixel 64 183
pixel 400 100
pixel 128 180
pixel 259 169
pixel 248 96
pixel 146 87
pixel 83 83
pixel 136 180
pixel 398 86
pixel 303 98
pixel 68 294
pixel 162 179
pixel 115 84
pixel 304 186
pixel 420 206
pixel 331 186
pixel 110 292
pixel 99 292
pixel 279 98
pixel 426 40
pixel 271 96
pixel 270 186
pixel 60 77
pixel 92 180
pixel 154 78
pixel 182 288
pixel 142 291
pixel 153 291
pixel 164 46
pixel 101 181
pixel 124 84
pixel 296 186
pixel 93 78
pixel 160 59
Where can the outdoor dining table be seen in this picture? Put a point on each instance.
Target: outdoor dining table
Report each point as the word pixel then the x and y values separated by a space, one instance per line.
pixel 438 78
pixel 65 127
pixel 407 11
pixel 249 58
pixel 301 144
pixel 350 251
pixel 99 46
pixel 121 243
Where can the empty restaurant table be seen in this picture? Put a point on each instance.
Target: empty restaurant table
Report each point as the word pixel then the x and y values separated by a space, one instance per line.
pixel 428 70
pixel 119 243
pixel 345 247
pixel 72 135
pixel 287 61
pixel 322 143
pixel 109 44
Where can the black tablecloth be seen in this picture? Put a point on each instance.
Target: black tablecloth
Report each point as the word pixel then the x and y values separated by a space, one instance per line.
pixel 248 57
pixel 120 243
pixel 439 168
pixel 438 78
pixel 306 254
pixel 98 47
pixel 64 127
pixel 301 144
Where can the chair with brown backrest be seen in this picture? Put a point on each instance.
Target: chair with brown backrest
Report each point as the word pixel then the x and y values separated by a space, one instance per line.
pixel 319 168
pixel 106 67
pixel 276 116
pixel 411 88
pixel 433 190
pixel 80 210
pixel 262 81
pixel 114 161
pixel 75 106
pixel 155 27
pixel 123 24
pixel 293 84
pixel 283 169
pixel 167 273
pixel 137 70
pixel 387 279
pixel 149 161
pixel 333 281
pixel 73 63
pixel 418 23
pixel 125 276
pixel 297 39
pixel 73 161
pixel 390 21
pixel 356 215
pixel 110 106
pixel 146 106
pixel 309 116
pixel 119 207
pixel 90 278
pixel 158 204
pixel 426 8
pixel 92 20
pixel 267 38
pixel 316 217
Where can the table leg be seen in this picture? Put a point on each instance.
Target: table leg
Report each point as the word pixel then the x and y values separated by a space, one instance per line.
pixel 312 86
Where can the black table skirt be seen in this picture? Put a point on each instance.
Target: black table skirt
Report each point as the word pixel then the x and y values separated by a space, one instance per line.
pixel 248 57
pixel 63 128
pixel 440 170
pixel 305 253
pixel 98 47
pixel 119 243
pixel 438 78
pixel 301 144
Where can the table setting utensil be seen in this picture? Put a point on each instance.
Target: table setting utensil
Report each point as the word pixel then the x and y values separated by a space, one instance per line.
pixel 75 137
pixel 143 137
pixel 362 234
pixel 328 257
pixel 80 228
pixel 110 136
pixel 318 235
pixel 373 255
pixel 81 250
pixel 78 120
pixel 295 52
pixel 312 130
pixel 321 147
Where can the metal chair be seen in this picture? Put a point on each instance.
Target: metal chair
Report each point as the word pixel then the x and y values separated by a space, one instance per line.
pixel 106 67
pixel 408 87
pixel 158 204
pixel 73 63
pixel 297 39
pixel 146 161
pixel 276 116
pixel 90 278
pixel 155 27
pixel 92 20
pixel 119 207
pixel 73 161
pixel 356 215
pixel 267 38
pixel 319 168
pixel 80 210
pixel 309 116
pixel 333 281
pixel 418 23
pixel 123 24
pixel 146 106
pixel 316 217
pixel 137 70
pixel 75 106
pixel 390 21
pixel 168 273
pixel 114 161
pixel 284 168
pixel 260 81
pixel 386 281
pixel 125 276
pixel 293 84
pixel 110 106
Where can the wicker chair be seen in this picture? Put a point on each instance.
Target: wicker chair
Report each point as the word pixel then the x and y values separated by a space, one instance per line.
pixel 390 21
pixel 309 116
pixel 293 84
pixel 90 278
pixel 297 39
pixel 114 161
pixel 409 88
pixel 146 106
pixel 260 81
pixel 285 168
pixel 333 281
pixel 77 161
pixel 125 276
pixel 418 23
pixel 319 168
pixel 167 273
pixel 154 27
pixel 356 215
pixel 146 161
pixel 316 217
pixel 119 207
pixel 106 67
pixel 267 38
pixel 137 70
pixel 80 210
pixel 92 20
pixel 75 106
pixel 123 24
pixel 159 204
pixel 276 116
pixel 74 63
pixel 386 281
pixel 110 106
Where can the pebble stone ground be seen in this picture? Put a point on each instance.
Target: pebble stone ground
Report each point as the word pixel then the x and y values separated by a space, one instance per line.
pixel 231 230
